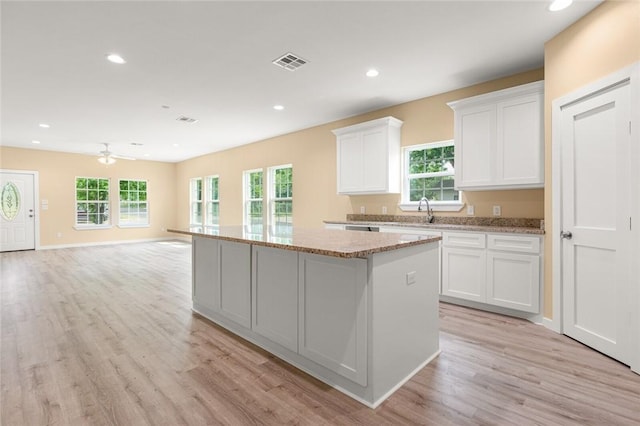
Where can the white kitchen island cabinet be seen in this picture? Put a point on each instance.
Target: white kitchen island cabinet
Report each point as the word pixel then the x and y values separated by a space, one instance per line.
pixel 357 310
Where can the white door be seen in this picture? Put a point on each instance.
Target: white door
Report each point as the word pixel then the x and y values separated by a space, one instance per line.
pixel 597 305
pixel 17 211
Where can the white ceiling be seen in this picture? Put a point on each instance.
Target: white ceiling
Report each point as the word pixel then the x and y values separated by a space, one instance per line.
pixel 212 61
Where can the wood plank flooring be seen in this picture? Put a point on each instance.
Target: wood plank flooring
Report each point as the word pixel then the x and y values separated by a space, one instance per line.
pixel 105 336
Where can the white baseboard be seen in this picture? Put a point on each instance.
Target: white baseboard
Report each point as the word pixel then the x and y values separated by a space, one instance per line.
pixel 106 243
pixel 551 324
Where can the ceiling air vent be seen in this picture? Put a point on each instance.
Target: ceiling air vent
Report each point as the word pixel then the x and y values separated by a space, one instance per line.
pixel 185 119
pixel 289 61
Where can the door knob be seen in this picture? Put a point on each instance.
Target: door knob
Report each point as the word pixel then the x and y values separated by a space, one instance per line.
pixel 566 234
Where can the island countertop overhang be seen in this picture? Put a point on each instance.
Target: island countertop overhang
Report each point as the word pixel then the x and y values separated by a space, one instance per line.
pixel 328 242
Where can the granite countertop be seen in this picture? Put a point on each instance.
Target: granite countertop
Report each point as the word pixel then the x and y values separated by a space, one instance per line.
pixel 326 242
pixel 477 224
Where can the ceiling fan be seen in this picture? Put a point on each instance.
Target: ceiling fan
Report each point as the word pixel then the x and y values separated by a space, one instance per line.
pixel 107 157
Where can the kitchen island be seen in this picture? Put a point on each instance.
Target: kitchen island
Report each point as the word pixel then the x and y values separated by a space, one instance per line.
pixel 357 310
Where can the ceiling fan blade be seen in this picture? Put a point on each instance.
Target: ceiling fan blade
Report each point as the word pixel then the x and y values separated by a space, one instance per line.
pixel 122 157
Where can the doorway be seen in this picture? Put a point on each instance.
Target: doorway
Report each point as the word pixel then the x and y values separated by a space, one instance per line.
pixel 18 216
pixel 595 198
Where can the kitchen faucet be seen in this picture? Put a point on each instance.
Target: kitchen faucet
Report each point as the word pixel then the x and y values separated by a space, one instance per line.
pixel 429 209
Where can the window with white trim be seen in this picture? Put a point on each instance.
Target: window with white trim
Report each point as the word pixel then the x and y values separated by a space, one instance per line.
pixel 195 201
pixel 212 203
pixel 92 202
pixel 281 199
pixel 429 172
pixel 253 199
pixel 134 205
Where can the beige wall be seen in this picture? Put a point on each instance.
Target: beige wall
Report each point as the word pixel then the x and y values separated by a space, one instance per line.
pixel 313 155
pixel 57 173
pixel 604 41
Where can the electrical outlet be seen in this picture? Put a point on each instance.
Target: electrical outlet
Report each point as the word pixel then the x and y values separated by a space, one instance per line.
pixel 361 209
pixel 411 277
pixel 497 210
pixel 471 210
pixel 384 209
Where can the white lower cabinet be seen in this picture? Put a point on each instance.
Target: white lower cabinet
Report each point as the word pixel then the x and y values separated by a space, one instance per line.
pixel 206 283
pixel 222 279
pixel 513 280
pixel 275 295
pixel 496 269
pixel 333 314
pixel 235 281
pixel 463 273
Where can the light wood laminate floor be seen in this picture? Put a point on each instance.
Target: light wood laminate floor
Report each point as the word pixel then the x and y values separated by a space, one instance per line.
pixel 105 336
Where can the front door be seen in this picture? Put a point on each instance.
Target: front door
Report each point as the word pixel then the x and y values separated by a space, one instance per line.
pixel 17 211
pixel 596 147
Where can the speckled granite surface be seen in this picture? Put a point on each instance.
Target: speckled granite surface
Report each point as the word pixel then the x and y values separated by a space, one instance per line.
pixel 327 242
pixel 478 224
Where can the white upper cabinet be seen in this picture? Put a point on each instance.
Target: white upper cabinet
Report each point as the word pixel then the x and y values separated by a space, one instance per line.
pixel 369 157
pixel 499 139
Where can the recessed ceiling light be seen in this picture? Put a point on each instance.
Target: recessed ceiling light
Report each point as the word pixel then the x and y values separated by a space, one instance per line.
pixel 146 155
pixel 165 106
pixel 136 144
pixel 44 125
pixel 176 144
pixel 36 142
pixel 372 73
pixel 278 107
pixel 557 5
pixel 115 58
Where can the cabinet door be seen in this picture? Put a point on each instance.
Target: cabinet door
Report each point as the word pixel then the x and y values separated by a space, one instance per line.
pixel 275 295
pixel 350 163
pixel 474 146
pixel 513 281
pixel 375 158
pixel 464 273
pixel 206 286
pixel 520 147
pixel 333 314
pixel 235 282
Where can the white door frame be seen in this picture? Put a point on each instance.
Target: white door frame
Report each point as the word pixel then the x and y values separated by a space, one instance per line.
pixel 36 200
pixel 631 73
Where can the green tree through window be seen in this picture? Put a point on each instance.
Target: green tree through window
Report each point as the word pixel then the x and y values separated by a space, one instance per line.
pixel 282 199
pixel 430 172
pixel 92 201
pixel 134 206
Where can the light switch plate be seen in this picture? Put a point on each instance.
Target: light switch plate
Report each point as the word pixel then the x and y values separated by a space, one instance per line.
pixel 471 210
pixel 411 277
pixel 361 209
pixel 384 209
pixel 497 210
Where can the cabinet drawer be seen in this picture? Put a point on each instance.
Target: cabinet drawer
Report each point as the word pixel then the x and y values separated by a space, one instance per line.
pixel 463 239
pixel 513 243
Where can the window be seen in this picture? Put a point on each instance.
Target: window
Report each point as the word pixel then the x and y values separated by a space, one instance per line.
pixel 212 206
pixel 92 202
pixel 429 172
pixel 281 197
pixel 253 200
pixel 195 201
pixel 134 207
